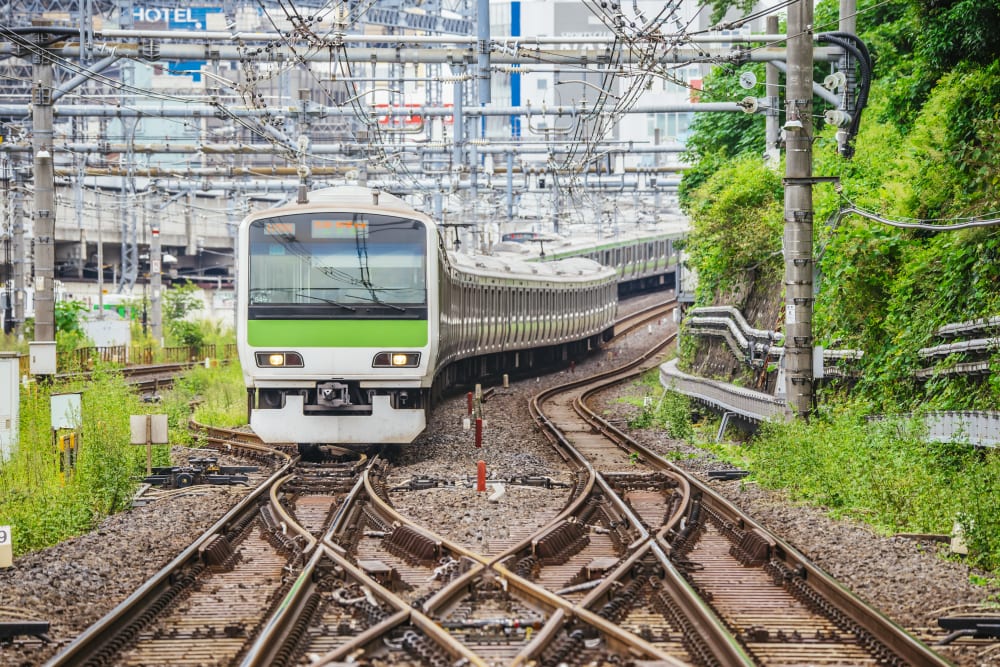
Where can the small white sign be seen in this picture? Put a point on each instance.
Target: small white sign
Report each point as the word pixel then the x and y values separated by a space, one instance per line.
pixel 66 411
pixel 6 547
pixel 148 429
pixel 790 313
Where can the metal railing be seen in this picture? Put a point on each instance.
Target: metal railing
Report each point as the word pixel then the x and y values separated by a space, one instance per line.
pixel 979 428
pixel 970 356
pixel 754 406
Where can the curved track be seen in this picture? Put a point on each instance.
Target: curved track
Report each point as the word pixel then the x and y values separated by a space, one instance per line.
pixel 640 563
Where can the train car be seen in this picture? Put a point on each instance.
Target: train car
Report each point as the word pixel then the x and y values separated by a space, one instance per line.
pixel 526 237
pixel 643 259
pixel 352 317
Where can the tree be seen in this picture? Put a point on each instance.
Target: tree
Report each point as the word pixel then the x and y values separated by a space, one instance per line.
pixel 178 303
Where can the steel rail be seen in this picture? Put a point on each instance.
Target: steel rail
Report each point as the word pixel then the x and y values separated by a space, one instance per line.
pixel 716 638
pixel 460 585
pixel 97 636
pixel 871 620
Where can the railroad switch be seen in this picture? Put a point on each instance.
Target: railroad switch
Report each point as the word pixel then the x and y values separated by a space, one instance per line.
pixel 11 629
pixel 384 574
pixel 421 483
pixel 200 471
pixel 727 475
pixel 537 480
pixel 977 627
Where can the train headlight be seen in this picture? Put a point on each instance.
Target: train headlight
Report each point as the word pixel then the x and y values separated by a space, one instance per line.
pixel 278 359
pixel 396 360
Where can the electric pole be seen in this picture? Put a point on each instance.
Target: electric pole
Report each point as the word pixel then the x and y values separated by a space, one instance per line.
pixel 772 114
pixel 156 282
pixel 45 214
pixel 848 23
pixel 797 241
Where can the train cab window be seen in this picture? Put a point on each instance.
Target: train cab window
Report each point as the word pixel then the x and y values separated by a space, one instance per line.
pixel 329 264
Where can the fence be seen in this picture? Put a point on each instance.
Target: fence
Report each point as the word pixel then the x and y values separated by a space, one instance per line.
pixel 85 358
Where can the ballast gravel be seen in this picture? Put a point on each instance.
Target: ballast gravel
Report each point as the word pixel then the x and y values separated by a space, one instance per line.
pixel 913 582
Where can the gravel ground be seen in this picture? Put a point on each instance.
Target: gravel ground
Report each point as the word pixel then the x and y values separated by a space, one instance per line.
pixel 73 584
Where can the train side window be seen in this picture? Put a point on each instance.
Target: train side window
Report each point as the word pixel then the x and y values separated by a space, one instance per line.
pixel 522 310
pixel 548 314
pixel 530 328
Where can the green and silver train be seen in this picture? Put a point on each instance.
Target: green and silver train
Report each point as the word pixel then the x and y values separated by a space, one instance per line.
pixel 353 317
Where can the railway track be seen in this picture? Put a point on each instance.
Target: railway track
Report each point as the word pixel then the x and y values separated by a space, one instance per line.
pixel 641 563
pixel 778 607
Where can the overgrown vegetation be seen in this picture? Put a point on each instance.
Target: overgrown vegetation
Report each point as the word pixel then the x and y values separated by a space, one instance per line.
pixel 44 504
pixel 927 150
pixel 884 473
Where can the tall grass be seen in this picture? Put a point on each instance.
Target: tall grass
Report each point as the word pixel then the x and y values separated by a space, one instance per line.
pixel 218 395
pixel 884 473
pixel 44 507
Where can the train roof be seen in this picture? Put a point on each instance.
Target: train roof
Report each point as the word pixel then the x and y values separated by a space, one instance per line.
pixel 357 196
pixel 675 228
pixel 348 197
pixel 508 267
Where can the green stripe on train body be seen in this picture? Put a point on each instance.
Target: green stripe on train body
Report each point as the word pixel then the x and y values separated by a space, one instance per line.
pixel 337 333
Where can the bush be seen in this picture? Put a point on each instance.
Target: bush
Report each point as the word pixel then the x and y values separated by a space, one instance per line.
pixel 45 507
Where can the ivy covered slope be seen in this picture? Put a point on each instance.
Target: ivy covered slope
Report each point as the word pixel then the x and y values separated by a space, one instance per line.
pixel 928 149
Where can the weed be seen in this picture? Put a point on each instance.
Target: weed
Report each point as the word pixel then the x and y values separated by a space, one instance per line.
pixel 45 507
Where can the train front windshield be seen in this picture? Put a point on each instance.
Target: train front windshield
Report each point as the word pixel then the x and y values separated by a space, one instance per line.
pixel 337 265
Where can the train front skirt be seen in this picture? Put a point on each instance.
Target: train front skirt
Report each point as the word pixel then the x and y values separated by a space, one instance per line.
pixel 385 425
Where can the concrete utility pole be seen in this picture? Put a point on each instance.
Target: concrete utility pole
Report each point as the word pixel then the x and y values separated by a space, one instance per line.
pixel 797 242
pixel 772 115
pixel 17 249
pixel 483 48
pixel 155 283
pixel 45 214
pixel 848 23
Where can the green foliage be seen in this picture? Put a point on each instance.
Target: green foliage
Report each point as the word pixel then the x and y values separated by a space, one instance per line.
pixel 729 133
pixel 67 315
pixel 69 330
pixel 42 508
pixel 928 149
pixel 670 411
pixel 179 302
pixel 957 31
pixel 720 7
pixel 885 290
pixel 884 473
pixel 218 394
pixel 736 224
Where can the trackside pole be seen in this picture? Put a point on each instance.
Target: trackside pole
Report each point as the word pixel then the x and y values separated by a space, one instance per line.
pixel 481 476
